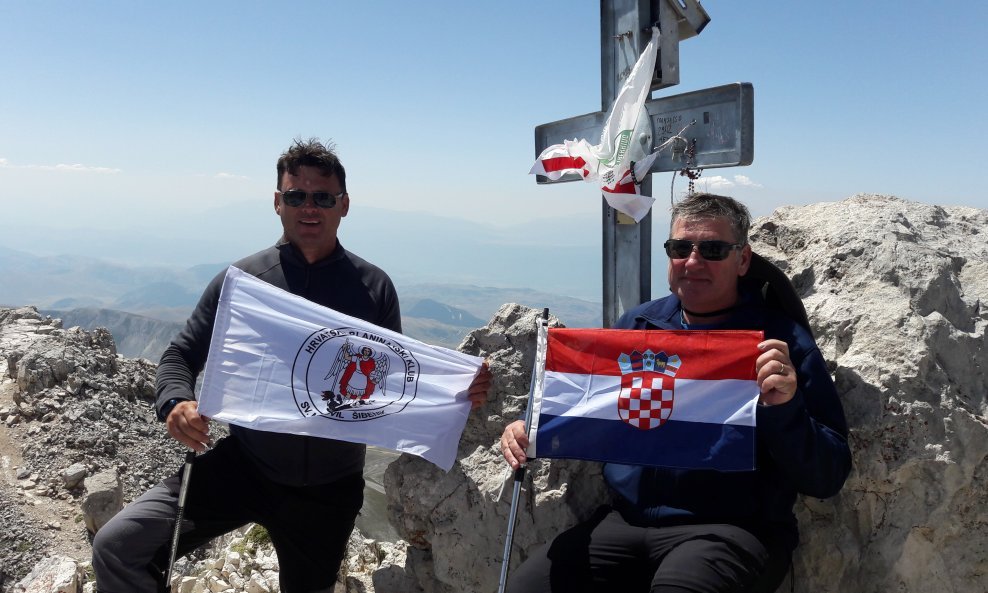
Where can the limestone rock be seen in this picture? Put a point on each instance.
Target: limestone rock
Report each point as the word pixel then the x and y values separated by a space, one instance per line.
pixel 375 566
pixel 73 475
pixel 257 584
pixel 55 574
pixel 99 415
pixel 104 499
pixel 453 520
pixel 897 293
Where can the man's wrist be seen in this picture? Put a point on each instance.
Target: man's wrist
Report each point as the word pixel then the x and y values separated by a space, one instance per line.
pixel 168 407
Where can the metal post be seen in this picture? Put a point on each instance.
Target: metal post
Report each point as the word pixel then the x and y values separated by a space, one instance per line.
pixel 627 261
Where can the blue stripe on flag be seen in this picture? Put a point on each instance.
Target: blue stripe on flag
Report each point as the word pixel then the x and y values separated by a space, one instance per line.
pixel 724 447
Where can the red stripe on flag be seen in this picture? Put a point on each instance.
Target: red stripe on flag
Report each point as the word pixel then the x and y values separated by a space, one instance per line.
pixel 718 354
pixel 562 163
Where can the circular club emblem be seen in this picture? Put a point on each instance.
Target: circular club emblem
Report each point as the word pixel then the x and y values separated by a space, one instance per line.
pixel 352 375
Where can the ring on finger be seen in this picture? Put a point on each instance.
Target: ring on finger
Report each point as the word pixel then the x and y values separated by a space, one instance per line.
pixel 782 369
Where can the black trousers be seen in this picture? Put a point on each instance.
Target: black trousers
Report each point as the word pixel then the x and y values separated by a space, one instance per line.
pixel 607 554
pixel 309 525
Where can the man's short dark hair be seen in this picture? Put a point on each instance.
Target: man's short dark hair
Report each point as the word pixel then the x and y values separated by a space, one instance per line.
pixel 311 153
pixel 704 206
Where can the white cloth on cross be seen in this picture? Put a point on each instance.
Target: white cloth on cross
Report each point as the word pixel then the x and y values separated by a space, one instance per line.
pixel 609 162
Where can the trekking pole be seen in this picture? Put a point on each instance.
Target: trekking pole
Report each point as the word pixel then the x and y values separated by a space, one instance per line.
pixel 183 489
pixel 520 472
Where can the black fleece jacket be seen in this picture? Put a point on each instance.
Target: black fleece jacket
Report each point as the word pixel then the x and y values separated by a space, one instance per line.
pixel 343 282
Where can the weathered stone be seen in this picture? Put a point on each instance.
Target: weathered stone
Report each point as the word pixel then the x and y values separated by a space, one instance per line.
pixel 216 584
pixel 446 514
pixel 232 561
pixel 73 475
pixel 257 584
pixel 185 585
pixel 897 294
pixel 104 499
pixel 376 566
pixel 55 574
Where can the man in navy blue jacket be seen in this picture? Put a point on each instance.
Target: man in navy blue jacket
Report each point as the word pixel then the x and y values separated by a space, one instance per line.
pixel 676 530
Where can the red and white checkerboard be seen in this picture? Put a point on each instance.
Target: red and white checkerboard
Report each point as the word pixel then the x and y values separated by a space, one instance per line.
pixel 646 398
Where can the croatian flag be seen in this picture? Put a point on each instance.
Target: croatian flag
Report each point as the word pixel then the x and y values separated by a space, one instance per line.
pixel 682 399
pixel 610 162
pixel 280 363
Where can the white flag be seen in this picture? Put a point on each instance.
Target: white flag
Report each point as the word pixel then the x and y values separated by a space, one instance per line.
pixel 280 363
pixel 610 161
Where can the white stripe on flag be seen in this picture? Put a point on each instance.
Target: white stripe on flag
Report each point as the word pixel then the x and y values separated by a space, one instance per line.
pixel 658 398
pixel 280 363
pixel 725 401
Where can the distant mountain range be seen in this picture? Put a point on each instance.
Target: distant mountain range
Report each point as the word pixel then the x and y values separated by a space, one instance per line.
pixel 136 336
pixel 143 307
pixel 413 247
pixel 423 318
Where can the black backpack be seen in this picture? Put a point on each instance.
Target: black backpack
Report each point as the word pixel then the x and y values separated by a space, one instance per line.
pixel 777 289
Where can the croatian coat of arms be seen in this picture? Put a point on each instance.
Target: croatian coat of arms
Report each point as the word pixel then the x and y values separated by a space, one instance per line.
pixel 647 386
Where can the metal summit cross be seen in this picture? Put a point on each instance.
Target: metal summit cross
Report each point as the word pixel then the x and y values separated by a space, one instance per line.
pixel 715 127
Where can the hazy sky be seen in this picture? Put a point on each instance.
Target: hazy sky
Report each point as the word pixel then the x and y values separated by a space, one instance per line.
pixel 123 114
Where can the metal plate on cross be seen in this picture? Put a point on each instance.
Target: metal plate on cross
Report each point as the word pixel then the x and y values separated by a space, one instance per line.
pixel 722 135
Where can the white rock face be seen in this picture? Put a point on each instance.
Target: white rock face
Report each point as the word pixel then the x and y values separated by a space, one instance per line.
pixel 453 520
pixel 55 574
pixel 898 296
pixel 897 293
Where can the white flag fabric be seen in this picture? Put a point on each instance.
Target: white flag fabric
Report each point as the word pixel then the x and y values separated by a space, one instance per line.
pixel 278 362
pixel 609 162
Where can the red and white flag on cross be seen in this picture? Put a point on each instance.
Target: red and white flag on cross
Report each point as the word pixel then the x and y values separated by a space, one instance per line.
pixel 609 163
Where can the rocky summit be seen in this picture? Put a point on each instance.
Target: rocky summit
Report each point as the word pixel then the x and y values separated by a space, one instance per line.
pixel 897 295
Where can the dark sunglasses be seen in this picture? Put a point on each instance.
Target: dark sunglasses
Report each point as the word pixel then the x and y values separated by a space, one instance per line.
pixel 323 199
pixel 708 250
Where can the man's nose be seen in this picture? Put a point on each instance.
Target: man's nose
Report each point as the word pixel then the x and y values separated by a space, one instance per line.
pixel 695 256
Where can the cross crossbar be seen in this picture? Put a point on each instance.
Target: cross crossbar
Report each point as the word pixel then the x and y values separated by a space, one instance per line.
pixel 723 129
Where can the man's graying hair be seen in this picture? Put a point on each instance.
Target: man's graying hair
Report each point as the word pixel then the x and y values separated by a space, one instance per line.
pixel 705 206
pixel 311 153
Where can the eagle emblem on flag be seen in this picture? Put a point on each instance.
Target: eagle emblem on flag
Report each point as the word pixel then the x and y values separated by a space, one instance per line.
pixel 647 388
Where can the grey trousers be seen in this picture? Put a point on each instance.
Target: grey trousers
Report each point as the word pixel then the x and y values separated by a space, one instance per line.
pixel 309 525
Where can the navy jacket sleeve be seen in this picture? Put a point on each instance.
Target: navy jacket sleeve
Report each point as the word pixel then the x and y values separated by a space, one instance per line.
pixel 807 436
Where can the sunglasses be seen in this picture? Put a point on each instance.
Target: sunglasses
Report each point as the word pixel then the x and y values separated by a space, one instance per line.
pixel 323 199
pixel 708 250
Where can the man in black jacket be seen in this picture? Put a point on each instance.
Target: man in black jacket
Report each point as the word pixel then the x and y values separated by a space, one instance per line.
pixel 305 491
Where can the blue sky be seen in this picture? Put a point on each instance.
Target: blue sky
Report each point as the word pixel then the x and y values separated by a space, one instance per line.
pixel 130 115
